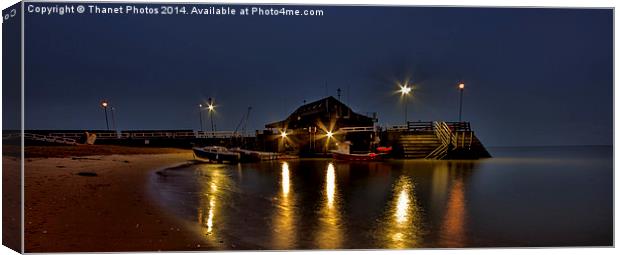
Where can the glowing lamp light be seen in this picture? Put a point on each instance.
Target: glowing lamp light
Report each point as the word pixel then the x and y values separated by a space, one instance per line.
pixel 405 90
pixel 283 134
pixel 330 134
pixel 104 104
pixel 461 86
pixel 211 107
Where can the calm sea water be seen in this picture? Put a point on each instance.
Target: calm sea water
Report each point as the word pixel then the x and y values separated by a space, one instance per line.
pixel 551 196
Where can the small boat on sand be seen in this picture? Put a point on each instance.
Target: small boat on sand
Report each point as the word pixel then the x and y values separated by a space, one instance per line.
pixel 216 154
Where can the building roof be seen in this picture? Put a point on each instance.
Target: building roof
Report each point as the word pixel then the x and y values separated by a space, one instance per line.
pixel 326 110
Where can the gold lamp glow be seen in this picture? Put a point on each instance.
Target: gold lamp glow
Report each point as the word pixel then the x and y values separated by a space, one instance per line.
pixel 283 134
pixel 461 86
pixel 405 90
pixel 330 134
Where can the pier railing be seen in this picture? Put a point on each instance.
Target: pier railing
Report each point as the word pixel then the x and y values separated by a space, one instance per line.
pixel 459 126
pixel 49 139
pixel 217 134
pixel 397 128
pixel 420 126
pixel 452 135
pixel 356 129
pixel 430 126
pixel 446 137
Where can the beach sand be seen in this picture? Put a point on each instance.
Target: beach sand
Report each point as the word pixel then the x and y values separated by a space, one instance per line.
pixel 11 206
pixel 110 212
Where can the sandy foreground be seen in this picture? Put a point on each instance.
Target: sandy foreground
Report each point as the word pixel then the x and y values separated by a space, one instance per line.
pixel 113 211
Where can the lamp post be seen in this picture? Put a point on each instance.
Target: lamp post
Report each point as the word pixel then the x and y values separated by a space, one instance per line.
pixel 112 109
pixel 104 104
pixel 461 88
pixel 211 108
pixel 329 135
pixel 200 114
pixel 404 92
pixel 283 135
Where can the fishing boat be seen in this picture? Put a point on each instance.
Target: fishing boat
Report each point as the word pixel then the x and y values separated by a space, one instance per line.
pixel 216 154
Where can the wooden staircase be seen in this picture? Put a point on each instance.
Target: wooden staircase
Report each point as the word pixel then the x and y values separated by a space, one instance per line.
pixel 456 143
pixel 418 144
pixel 441 140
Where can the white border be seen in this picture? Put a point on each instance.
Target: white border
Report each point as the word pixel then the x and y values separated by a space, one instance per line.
pixel 473 3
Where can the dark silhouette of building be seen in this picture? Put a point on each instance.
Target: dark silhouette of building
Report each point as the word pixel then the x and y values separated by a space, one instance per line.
pixel 328 111
pixel 313 128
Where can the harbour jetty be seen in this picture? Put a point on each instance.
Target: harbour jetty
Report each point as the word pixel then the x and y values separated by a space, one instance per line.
pixel 312 130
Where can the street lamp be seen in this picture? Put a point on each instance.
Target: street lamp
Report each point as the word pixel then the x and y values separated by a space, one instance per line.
pixel 112 110
pixel 461 89
pixel 104 104
pixel 330 134
pixel 211 108
pixel 404 92
pixel 200 114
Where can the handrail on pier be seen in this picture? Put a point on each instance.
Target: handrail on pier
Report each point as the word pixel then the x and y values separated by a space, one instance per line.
pixel 420 126
pixel 216 134
pixel 356 129
pixel 50 139
pixel 447 139
pixel 452 135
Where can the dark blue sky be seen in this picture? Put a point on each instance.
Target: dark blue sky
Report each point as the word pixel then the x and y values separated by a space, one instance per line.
pixel 534 76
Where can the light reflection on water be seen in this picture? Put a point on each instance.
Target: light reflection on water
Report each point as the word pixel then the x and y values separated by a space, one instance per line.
pixel 284 227
pixel 329 233
pixel 311 204
pixel 403 221
pixel 207 211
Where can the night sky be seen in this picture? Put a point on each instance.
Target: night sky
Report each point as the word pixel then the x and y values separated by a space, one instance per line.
pixel 533 76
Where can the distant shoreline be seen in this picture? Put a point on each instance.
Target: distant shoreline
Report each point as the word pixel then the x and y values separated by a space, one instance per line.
pixel 546 146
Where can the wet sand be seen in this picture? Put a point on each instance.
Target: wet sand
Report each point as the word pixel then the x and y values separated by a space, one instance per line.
pixel 110 212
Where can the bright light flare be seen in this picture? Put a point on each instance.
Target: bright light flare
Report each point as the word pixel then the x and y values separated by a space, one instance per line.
pixel 461 86
pixel 104 104
pixel 283 134
pixel 330 134
pixel 211 107
pixel 405 90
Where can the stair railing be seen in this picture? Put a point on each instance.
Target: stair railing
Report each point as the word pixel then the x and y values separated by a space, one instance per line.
pixel 447 139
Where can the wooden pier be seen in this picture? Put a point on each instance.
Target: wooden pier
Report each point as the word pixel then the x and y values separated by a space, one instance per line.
pixel 313 129
pixel 435 140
